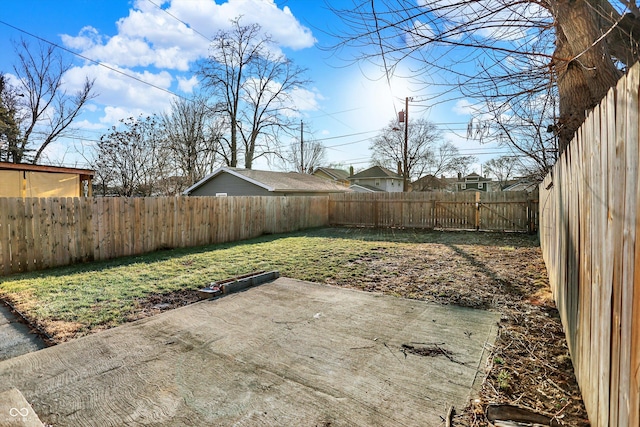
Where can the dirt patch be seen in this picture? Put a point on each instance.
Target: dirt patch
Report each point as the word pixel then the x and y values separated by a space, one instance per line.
pixel 529 365
pixel 157 303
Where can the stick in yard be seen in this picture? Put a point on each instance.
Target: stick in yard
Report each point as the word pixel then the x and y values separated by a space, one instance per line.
pixel 449 415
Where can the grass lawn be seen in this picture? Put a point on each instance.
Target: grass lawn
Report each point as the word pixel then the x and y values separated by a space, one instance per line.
pixel 72 301
pixel 496 271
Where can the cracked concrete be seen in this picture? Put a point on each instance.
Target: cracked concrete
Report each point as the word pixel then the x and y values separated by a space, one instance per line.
pixel 284 353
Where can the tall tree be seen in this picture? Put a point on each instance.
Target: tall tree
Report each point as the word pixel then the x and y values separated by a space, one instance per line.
pixel 503 168
pixel 192 136
pixel 252 85
pixel 306 157
pixel 47 109
pixel 388 146
pixel 580 46
pixel 524 127
pixel 133 158
pixel 446 158
pixel 9 130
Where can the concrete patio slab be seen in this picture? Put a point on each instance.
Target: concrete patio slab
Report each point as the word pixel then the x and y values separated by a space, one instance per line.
pixel 284 353
pixel 16 338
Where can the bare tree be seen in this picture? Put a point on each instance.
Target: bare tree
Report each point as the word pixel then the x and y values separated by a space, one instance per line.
pixel 524 126
pixel 46 109
pixel 192 136
pixel 580 46
pixel 9 130
pixel 307 158
pixel 388 146
pixel 446 158
pixel 503 168
pixel 252 86
pixel 462 165
pixel 133 157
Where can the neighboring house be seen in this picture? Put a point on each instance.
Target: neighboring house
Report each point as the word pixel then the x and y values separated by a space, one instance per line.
pixel 228 181
pixel 26 180
pixel 376 178
pixel 364 188
pixel 430 183
pixel 474 182
pixel 337 175
pixel 522 185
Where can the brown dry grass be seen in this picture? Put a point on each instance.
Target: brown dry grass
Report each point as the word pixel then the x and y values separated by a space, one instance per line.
pixel 529 365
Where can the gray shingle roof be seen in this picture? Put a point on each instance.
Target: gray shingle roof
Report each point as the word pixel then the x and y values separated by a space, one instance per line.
pixel 376 172
pixel 336 174
pixel 293 182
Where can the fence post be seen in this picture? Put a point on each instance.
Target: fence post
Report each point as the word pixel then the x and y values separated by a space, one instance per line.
pixel 477 210
pixel 530 224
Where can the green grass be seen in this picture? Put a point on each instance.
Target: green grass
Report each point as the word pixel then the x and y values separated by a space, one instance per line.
pixel 104 294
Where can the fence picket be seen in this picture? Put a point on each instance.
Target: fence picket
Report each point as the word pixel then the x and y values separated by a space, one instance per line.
pixel 590 238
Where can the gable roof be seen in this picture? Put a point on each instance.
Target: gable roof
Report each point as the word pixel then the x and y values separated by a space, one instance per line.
pixel 366 188
pixel 474 175
pixel 292 182
pixel 528 186
pixel 337 174
pixel 429 180
pixel 376 172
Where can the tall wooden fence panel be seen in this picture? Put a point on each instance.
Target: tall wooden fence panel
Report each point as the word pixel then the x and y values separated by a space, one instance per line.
pixel 589 232
pixel 39 233
pixel 497 211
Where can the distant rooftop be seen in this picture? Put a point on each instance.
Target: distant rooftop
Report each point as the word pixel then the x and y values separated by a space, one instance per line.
pixel 376 172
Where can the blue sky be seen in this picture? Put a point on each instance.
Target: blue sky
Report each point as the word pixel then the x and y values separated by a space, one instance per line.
pixel 345 106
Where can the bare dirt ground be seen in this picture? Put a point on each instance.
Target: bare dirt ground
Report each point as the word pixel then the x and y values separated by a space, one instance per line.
pixel 529 365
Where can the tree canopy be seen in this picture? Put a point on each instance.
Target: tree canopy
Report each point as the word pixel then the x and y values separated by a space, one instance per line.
pixel 251 84
pixel 41 110
pixel 501 49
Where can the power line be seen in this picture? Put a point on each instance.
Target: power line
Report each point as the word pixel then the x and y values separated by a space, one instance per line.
pixel 57 46
pixel 180 20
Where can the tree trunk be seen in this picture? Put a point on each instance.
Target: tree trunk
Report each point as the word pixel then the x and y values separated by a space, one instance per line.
pixel 584 69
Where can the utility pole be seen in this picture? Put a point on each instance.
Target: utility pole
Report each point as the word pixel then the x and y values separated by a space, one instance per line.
pixel 405 154
pixel 302 147
pixel 403 117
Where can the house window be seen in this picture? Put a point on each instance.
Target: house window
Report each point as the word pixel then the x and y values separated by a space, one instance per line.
pixel 463 186
pixel 480 185
pixel 377 183
pixel 221 194
pixel 357 181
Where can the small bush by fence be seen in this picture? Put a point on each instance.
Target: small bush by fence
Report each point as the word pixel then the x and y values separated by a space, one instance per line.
pixel 590 237
pixel 496 211
pixel 39 233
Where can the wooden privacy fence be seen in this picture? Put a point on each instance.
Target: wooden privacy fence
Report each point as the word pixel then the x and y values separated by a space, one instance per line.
pixel 590 237
pixel 38 233
pixel 497 211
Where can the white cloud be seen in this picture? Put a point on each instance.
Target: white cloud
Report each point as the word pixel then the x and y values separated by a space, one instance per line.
pixel 306 100
pixel 208 17
pixel 419 34
pixel 187 85
pixel 149 36
pixel 88 125
pixel 488 19
pixel 464 108
pixel 87 38
pixel 117 92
